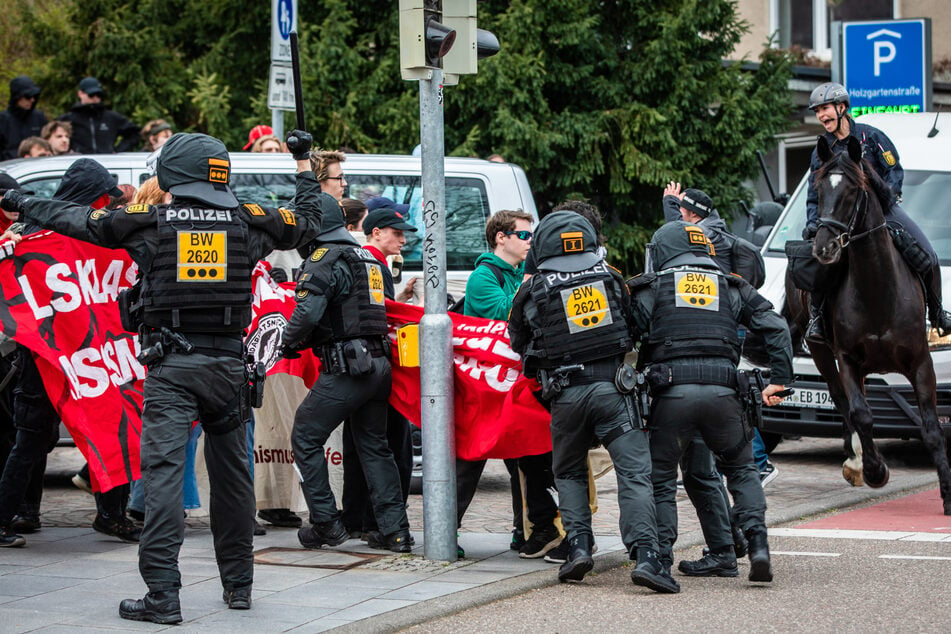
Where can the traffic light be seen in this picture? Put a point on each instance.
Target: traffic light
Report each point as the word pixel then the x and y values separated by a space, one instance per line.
pixel 424 39
pixel 472 43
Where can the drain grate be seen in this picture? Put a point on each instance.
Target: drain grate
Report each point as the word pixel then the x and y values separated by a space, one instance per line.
pixel 331 559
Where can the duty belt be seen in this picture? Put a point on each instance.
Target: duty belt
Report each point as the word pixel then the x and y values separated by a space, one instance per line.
pixel 330 358
pixel 201 343
pixel 706 375
pixel 594 373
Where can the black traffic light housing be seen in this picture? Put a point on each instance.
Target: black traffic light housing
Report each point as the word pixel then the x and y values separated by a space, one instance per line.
pixel 424 38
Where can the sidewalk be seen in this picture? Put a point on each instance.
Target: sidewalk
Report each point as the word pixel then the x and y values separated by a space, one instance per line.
pixel 71 579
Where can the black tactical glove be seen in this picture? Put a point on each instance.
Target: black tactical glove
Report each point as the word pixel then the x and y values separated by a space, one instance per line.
pixel 298 144
pixel 809 232
pixel 13 201
pixel 286 352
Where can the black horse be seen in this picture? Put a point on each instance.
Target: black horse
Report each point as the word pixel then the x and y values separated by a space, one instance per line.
pixel 875 313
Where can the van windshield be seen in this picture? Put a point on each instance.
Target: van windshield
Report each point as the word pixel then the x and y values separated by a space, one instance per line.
pixel 924 198
pixel 467 207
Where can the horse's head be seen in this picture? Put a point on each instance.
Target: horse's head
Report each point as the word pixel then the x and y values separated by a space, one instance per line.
pixel 841 185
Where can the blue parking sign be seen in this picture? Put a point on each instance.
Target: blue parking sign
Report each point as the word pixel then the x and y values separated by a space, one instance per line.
pixel 887 65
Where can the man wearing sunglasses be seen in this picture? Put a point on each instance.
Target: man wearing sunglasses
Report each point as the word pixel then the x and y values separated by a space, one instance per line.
pixel 489 293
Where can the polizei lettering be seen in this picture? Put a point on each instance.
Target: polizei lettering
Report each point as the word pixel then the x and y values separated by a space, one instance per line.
pixel 553 277
pixel 200 215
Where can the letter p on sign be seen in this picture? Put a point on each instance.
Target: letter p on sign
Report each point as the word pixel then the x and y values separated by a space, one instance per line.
pixel 884 53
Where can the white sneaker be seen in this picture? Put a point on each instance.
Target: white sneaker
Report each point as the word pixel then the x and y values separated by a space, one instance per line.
pixel 768 474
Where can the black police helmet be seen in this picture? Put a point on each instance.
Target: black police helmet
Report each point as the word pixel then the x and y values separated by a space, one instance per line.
pixel 681 243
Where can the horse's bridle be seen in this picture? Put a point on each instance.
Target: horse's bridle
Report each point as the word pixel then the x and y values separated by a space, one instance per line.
pixel 843 232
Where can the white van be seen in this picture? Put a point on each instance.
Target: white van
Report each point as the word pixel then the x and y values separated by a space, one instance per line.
pixel 926 194
pixel 475 189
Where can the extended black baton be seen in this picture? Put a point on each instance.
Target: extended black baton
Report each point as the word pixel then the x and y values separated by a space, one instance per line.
pixel 298 92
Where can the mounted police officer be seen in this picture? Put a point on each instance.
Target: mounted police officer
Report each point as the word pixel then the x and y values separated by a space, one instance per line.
pixel 571 323
pixel 830 102
pixel 689 312
pixel 341 315
pixel 195 257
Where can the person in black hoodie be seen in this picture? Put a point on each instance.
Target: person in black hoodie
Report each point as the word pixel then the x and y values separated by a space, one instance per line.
pixel 21 119
pixel 95 127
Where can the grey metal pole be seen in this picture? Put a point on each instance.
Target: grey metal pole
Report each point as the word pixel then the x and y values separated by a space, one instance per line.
pixel 435 335
pixel 277 123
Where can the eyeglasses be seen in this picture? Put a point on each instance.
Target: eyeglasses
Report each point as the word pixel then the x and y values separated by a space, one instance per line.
pixel 521 235
pixel 336 178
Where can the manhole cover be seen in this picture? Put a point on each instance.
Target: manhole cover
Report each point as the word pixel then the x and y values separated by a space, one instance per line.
pixel 333 559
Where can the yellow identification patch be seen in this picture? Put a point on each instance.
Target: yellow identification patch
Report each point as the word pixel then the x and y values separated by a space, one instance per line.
pixel 288 216
pixel 99 213
pixel 696 290
pixel 202 256
pixel 375 280
pixel 303 293
pixel 318 254
pixel 218 170
pixel 138 208
pixel 572 242
pixel 255 210
pixel 889 157
pixel 586 307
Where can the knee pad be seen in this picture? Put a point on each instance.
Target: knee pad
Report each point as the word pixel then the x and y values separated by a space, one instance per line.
pixel 911 251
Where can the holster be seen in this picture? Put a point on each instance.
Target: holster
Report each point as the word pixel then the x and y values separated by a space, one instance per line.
pixel 130 307
pixel 750 389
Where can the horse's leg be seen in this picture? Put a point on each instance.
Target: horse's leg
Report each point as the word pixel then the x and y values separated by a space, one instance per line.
pixel 923 381
pixel 825 362
pixel 874 469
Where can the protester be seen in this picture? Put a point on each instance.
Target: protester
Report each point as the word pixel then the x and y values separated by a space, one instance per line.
pixel 268 144
pixel 154 134
pixel 256 133
pixel 58 134
pixel 97 129
pixel 34 147
pixel 21 119
pixel 327 166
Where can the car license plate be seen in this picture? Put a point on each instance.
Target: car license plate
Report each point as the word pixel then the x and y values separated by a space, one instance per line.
pixel 814 399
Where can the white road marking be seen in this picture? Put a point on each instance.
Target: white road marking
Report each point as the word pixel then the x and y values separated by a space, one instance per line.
pixel 914 557
pixel 804 554
pixel 904 536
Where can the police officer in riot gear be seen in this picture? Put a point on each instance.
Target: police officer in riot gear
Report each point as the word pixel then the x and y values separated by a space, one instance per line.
pixel 571 323
pixel 830 102
pixel 689 312
pixel 195 257
pixel 341 315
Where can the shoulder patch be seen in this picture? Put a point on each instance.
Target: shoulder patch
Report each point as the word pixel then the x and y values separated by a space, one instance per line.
pixel 288 216
pixel 255 210
pixel 139 208
pixel 302 293
pixel 318 254
pixel 97 214
pixel 889 157
pixel 613 269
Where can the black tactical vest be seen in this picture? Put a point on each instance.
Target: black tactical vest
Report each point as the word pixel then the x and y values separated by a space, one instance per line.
pixel 362 313
pixel 692 317
pixel 200 279
pixel 580 318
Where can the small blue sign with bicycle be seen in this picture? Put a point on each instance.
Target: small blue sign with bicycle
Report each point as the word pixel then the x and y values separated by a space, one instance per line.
pixel 887 65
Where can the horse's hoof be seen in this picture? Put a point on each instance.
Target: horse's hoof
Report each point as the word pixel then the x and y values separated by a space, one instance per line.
pixel 878 484
pixel 852 476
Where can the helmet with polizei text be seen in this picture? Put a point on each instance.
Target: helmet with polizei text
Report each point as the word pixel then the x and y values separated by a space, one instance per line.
pixel 681 244
pixel 196 166
pixel 565 242
pixel 829 92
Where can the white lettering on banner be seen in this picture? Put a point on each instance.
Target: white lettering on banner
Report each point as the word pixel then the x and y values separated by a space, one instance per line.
pixel 492 328
pixel 90 370
pixel 90 289
pixel 485 372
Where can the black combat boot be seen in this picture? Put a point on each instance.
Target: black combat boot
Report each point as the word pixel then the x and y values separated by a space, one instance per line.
pixel 579 561
pixel 740 545
pixel 398 542
pixel 711 565
pixel 815 331
pixel 332 533
pixel 238 599
pixel 157 607
pixel 651 573
pixel 940 318
pixel 760 570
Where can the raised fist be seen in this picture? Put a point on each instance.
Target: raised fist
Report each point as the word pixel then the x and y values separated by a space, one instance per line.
pixel 12 201
pixel 298 144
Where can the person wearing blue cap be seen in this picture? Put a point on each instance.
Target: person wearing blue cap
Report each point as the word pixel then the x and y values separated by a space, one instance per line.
pixel 96 129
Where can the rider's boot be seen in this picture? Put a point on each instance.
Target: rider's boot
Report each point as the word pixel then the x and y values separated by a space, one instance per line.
pixel 940 318
pixel 815 333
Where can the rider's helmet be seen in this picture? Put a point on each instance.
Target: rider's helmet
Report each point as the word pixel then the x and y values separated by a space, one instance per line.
pixel 829 92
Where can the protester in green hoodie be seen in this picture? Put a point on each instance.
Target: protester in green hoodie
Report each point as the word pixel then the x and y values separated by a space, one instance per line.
pixel 498 274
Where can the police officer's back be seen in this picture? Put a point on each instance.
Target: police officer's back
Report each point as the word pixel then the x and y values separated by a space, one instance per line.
pixel 195 257
pixel 689 312
pixel 341 315
pixel 570 323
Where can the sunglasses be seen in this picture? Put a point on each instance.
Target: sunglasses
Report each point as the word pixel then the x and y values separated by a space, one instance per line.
pixel 521 235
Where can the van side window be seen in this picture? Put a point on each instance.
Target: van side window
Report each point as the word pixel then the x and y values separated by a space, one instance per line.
pixel 43 187
pixel 272 190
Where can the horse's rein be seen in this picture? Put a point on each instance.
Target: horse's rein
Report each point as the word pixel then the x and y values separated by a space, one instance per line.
pixel 845 237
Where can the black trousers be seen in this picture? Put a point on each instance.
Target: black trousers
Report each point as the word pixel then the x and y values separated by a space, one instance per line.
pixel 37 430
pixel 539 480
pixel 357 514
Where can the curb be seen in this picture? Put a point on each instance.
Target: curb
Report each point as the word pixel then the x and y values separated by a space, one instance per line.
pixel 514 586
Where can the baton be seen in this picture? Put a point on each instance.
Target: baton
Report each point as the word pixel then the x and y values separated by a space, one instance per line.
pixel 298 92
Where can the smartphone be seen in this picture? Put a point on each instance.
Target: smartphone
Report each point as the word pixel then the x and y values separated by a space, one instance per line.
pixel 784 393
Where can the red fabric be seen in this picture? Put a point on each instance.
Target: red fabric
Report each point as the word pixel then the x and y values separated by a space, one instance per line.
pixel 59 300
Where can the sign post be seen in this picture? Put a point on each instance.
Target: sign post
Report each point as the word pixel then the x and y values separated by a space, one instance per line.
pixel 885 65
pixel 280 93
